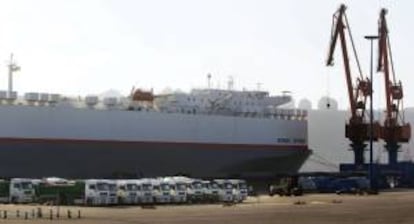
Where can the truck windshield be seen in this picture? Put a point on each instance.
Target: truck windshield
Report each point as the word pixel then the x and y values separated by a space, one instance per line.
pixel 228 186
pixel 131 187
pixel 112 187
pixel 181 187
pixel 102 186
pixel 165 187
pixel 197 185
pixel 146 187
pixel 26 185
pixel 242 185
pixel 214 186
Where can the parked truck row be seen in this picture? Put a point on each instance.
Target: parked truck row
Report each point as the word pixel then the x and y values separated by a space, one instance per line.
pixel 101 192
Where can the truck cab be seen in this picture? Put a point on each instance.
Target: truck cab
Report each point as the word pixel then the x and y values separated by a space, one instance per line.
pixel 286 186
pixel 195 191
pixel 21 190
pixel 226 190
pixel 146 195
pixel 178 187
pixel 128 192
pixel 161 191
pixel 211 191
pixel 240 190
pixel 96 192
pixel 112 192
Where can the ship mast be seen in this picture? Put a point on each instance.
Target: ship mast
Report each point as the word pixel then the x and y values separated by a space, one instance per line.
pixel 12 67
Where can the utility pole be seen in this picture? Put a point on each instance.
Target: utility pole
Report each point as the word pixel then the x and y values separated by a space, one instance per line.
pixel 371 38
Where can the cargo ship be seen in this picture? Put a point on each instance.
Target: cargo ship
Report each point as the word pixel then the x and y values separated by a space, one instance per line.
pixel 203 133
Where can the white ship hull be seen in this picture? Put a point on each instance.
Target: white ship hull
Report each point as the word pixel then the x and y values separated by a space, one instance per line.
pixel 72 142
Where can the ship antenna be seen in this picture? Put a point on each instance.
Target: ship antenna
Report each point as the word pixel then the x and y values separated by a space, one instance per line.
pixel 209 80
pixel 12 68
pixel 259 84
pixel 230 83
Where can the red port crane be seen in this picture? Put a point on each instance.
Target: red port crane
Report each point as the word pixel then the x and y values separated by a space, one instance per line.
pixel 394 129
pixel 357 129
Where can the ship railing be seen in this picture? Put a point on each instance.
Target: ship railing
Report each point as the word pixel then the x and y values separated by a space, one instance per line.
pixel 279 114
pixel 290 114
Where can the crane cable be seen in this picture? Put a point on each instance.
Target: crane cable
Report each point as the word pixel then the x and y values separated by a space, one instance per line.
pixel 353 46
pixel 328 92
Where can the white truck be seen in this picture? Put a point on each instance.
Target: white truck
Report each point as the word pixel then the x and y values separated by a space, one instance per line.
pixel 240 190
pixel 225 192
pixel 211 191
pixel 17 190
pixel 161 191
pixel 113 190
pixel 21 190
pixel 195 191
pixel 97 192
pixel 178 185
pixel 128 192
pixel 146 191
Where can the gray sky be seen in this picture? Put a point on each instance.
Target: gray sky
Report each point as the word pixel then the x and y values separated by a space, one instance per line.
pixel 80 47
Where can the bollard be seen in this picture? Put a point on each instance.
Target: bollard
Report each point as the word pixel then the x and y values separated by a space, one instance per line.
pixel 26 215
pixel 79 214
pixel 69 214
pixel 33 213
pixel 5 214
pixel 51 214
pixel 39 212
pixel 58 213
pixel 17 213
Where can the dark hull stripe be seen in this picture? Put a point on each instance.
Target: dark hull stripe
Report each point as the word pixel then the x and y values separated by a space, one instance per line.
pixel 121 143
pixel 95 159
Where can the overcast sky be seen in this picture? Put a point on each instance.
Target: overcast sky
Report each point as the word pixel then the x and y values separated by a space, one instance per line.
pixel 80 47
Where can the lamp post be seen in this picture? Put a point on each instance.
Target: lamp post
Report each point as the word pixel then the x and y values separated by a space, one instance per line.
pixel 371 38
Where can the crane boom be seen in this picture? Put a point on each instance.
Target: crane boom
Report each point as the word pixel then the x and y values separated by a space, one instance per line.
pixel 383 66
pixel 357 128
pixel 394 129
pixel 339 30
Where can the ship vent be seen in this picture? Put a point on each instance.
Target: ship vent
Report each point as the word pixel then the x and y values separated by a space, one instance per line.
pixel 54 98
pixel 91 101
pixel 31 98
pixel 12 96
pixel 43 97
pixel 3 95
pixel 110 101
